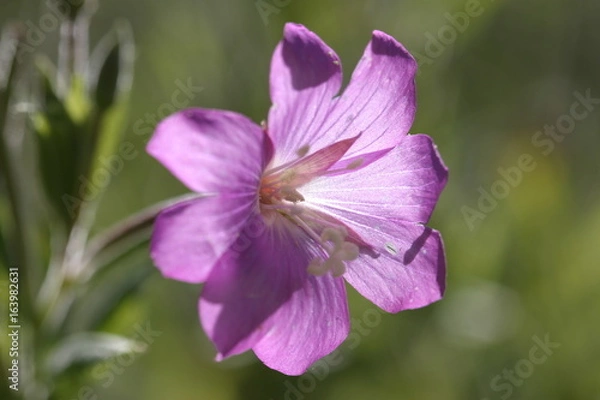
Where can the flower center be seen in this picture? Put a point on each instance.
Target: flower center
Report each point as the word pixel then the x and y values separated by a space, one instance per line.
pixel 279 193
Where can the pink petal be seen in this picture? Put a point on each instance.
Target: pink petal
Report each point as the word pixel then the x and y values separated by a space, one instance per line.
pixel 408 273
pixel 305 75
pixel 403 184
pixel 378 103
pixel 190 237
pixel 312 324
pixel 254 282
pixel 212 151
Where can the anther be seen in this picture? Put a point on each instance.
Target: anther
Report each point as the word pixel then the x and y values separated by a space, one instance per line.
pixel 355 164
pixel 302 151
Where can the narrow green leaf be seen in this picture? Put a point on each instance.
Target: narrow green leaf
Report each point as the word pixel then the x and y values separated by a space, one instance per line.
pixel 9 46
pixel 106 89
pixel 89 347
pixel 58 143
pixel 111 269
pixel 110 81
pixel 117 239
pixel 112 66
pixel 108 293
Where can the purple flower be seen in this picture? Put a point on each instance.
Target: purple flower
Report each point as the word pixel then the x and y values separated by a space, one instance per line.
pixel 333 189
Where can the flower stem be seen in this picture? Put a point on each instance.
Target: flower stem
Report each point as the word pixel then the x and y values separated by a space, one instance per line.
pixel 127 228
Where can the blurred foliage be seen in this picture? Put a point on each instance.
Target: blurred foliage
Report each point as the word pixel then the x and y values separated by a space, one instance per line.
pixel 529 268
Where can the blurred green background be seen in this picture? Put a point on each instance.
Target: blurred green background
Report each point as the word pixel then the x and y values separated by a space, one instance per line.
pixel 526 269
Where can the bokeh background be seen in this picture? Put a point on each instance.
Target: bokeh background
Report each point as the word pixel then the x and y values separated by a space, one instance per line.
pixel 527 269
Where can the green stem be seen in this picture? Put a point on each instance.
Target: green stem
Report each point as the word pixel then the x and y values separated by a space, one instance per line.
pixel 125 229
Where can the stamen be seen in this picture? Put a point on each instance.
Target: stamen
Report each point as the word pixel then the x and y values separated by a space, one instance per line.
pixel 291 194
pixel 302 151
pixel 291 208
pixel 272 173
pixel 312 233
pixel 314 219
pixel 288 175
pixel 355 164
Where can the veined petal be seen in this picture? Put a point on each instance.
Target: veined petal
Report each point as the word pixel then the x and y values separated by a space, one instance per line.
pixel 212 151
pixel 312 324
pixel 251 282
pixel 189 237
pixel 379 101
pixel 408 272
pixel 305 76
pixel 404 184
